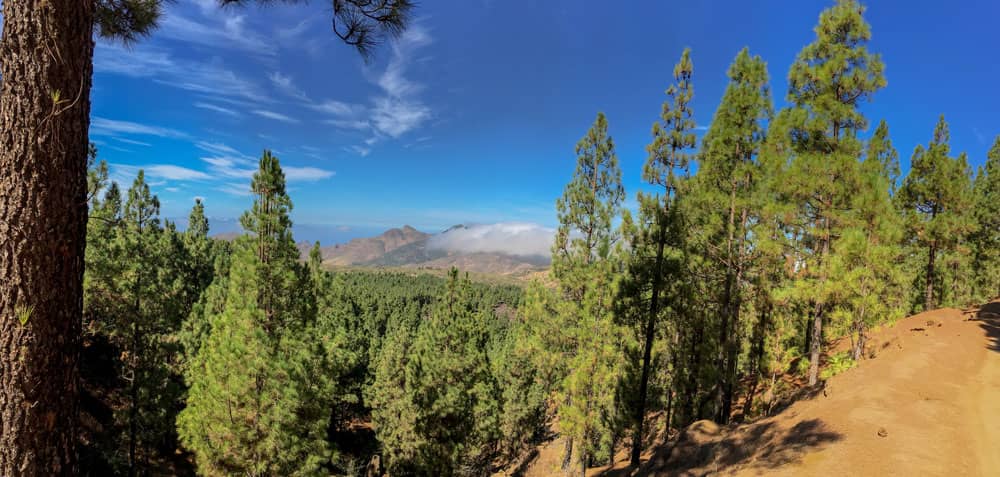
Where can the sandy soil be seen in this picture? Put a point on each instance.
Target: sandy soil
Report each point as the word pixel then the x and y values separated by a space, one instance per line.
pixel 927 404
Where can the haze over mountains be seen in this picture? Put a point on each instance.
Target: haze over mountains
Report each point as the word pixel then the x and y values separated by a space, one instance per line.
pixel 504 249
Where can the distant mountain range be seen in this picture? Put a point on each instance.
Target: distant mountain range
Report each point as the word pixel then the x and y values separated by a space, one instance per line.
pixel 408 247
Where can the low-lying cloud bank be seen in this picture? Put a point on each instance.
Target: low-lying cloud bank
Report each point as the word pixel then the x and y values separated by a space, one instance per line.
pixel 512 238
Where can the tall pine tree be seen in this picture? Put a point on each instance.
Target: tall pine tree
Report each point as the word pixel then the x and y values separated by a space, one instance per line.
pixel 580 327
pixel 726 194
pixel 258 404
pixel 828 82
pixel 654 257
pixel 987 215
pixel 936 196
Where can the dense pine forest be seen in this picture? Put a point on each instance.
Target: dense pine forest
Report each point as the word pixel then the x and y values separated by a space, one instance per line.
pixel 751 250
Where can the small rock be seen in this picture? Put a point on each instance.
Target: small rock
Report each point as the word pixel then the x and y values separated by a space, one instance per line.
pixel 882 432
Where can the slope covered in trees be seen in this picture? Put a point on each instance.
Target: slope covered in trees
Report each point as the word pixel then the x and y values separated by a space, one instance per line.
pixel 752 249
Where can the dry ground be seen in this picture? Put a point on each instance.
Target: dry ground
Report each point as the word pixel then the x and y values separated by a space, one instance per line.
pixel 927 404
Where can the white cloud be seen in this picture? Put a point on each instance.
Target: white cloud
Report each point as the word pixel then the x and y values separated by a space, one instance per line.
pixel 360 150
pixel 158 171
pixel 275 116
pixel 216 108
pixel 513 238
pixel 172 172
pixel 145 61
pixel 306 174
pixel 111 127
pixel 395 117
pixel 357 125
pixel 132 141
pixel 218 29
pixel 239 189
pixel 397 109
pixel 285 84
pixel 343 111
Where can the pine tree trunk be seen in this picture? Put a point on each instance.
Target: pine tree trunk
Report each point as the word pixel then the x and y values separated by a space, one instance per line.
pixel 46 65
pixel 816 344
pixel 567 454
pixel 647 353
pixel 929 288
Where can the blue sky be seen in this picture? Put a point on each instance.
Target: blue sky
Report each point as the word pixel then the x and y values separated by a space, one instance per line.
pixel 472 116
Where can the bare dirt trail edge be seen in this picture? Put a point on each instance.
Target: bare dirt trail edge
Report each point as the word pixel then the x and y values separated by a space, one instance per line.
pixel 932 391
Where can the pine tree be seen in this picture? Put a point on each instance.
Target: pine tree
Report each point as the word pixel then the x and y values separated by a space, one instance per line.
pixel 725 193
pixel 258 403
pixel 828 82
pixel 880 149
pixel 584 261
pixel 866 276
pixel 435 405
pixel 653 243
pixel 987 215
pixel 936 196
pixel 47 95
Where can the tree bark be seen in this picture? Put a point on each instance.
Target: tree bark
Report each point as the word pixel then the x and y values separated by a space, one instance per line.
pixel 46 64
pixel 816 344
pixel 929 287
pixel 647 352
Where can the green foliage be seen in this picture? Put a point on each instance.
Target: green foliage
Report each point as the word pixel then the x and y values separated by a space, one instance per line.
pixel 838 363
pixel 436 406
pixel 259 397
pixel 820 172
pixel 937 200
pixel 137 291
pixel 585 259
pixel 986 242
pixel 723 282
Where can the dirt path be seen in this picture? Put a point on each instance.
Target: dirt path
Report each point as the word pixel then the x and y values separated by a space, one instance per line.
pixel 927 404
pixel 933 390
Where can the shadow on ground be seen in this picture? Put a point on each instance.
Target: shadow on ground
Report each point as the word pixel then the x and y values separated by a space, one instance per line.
pixel 988 317
pixel 767 445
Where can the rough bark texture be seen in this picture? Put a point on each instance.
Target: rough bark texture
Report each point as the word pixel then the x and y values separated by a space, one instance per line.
pixel 929 283
pixel 47 50
pixel 647 352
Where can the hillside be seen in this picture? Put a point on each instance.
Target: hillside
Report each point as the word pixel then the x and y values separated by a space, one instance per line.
pixel 924 405
pixel 410 248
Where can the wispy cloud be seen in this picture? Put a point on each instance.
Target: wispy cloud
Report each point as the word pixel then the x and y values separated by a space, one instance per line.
pixel 228 164
pixel 285 84
pixel 161 171
pixel 211 79
pixel 354 124
pixel 360 150
pixel 306 174
pixel 110 127
pixel 979 136
pixel 240 189
pixel 340 109
pixel 397 109
pixel 216 29
pixel 132 141
pixel 275 116
pixel 217 108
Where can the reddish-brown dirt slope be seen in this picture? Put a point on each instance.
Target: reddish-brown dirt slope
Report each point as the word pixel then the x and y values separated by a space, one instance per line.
pixel 927 404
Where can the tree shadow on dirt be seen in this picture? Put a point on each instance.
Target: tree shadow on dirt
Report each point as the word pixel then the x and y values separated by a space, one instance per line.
pixel 988 317
pixel 759 446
